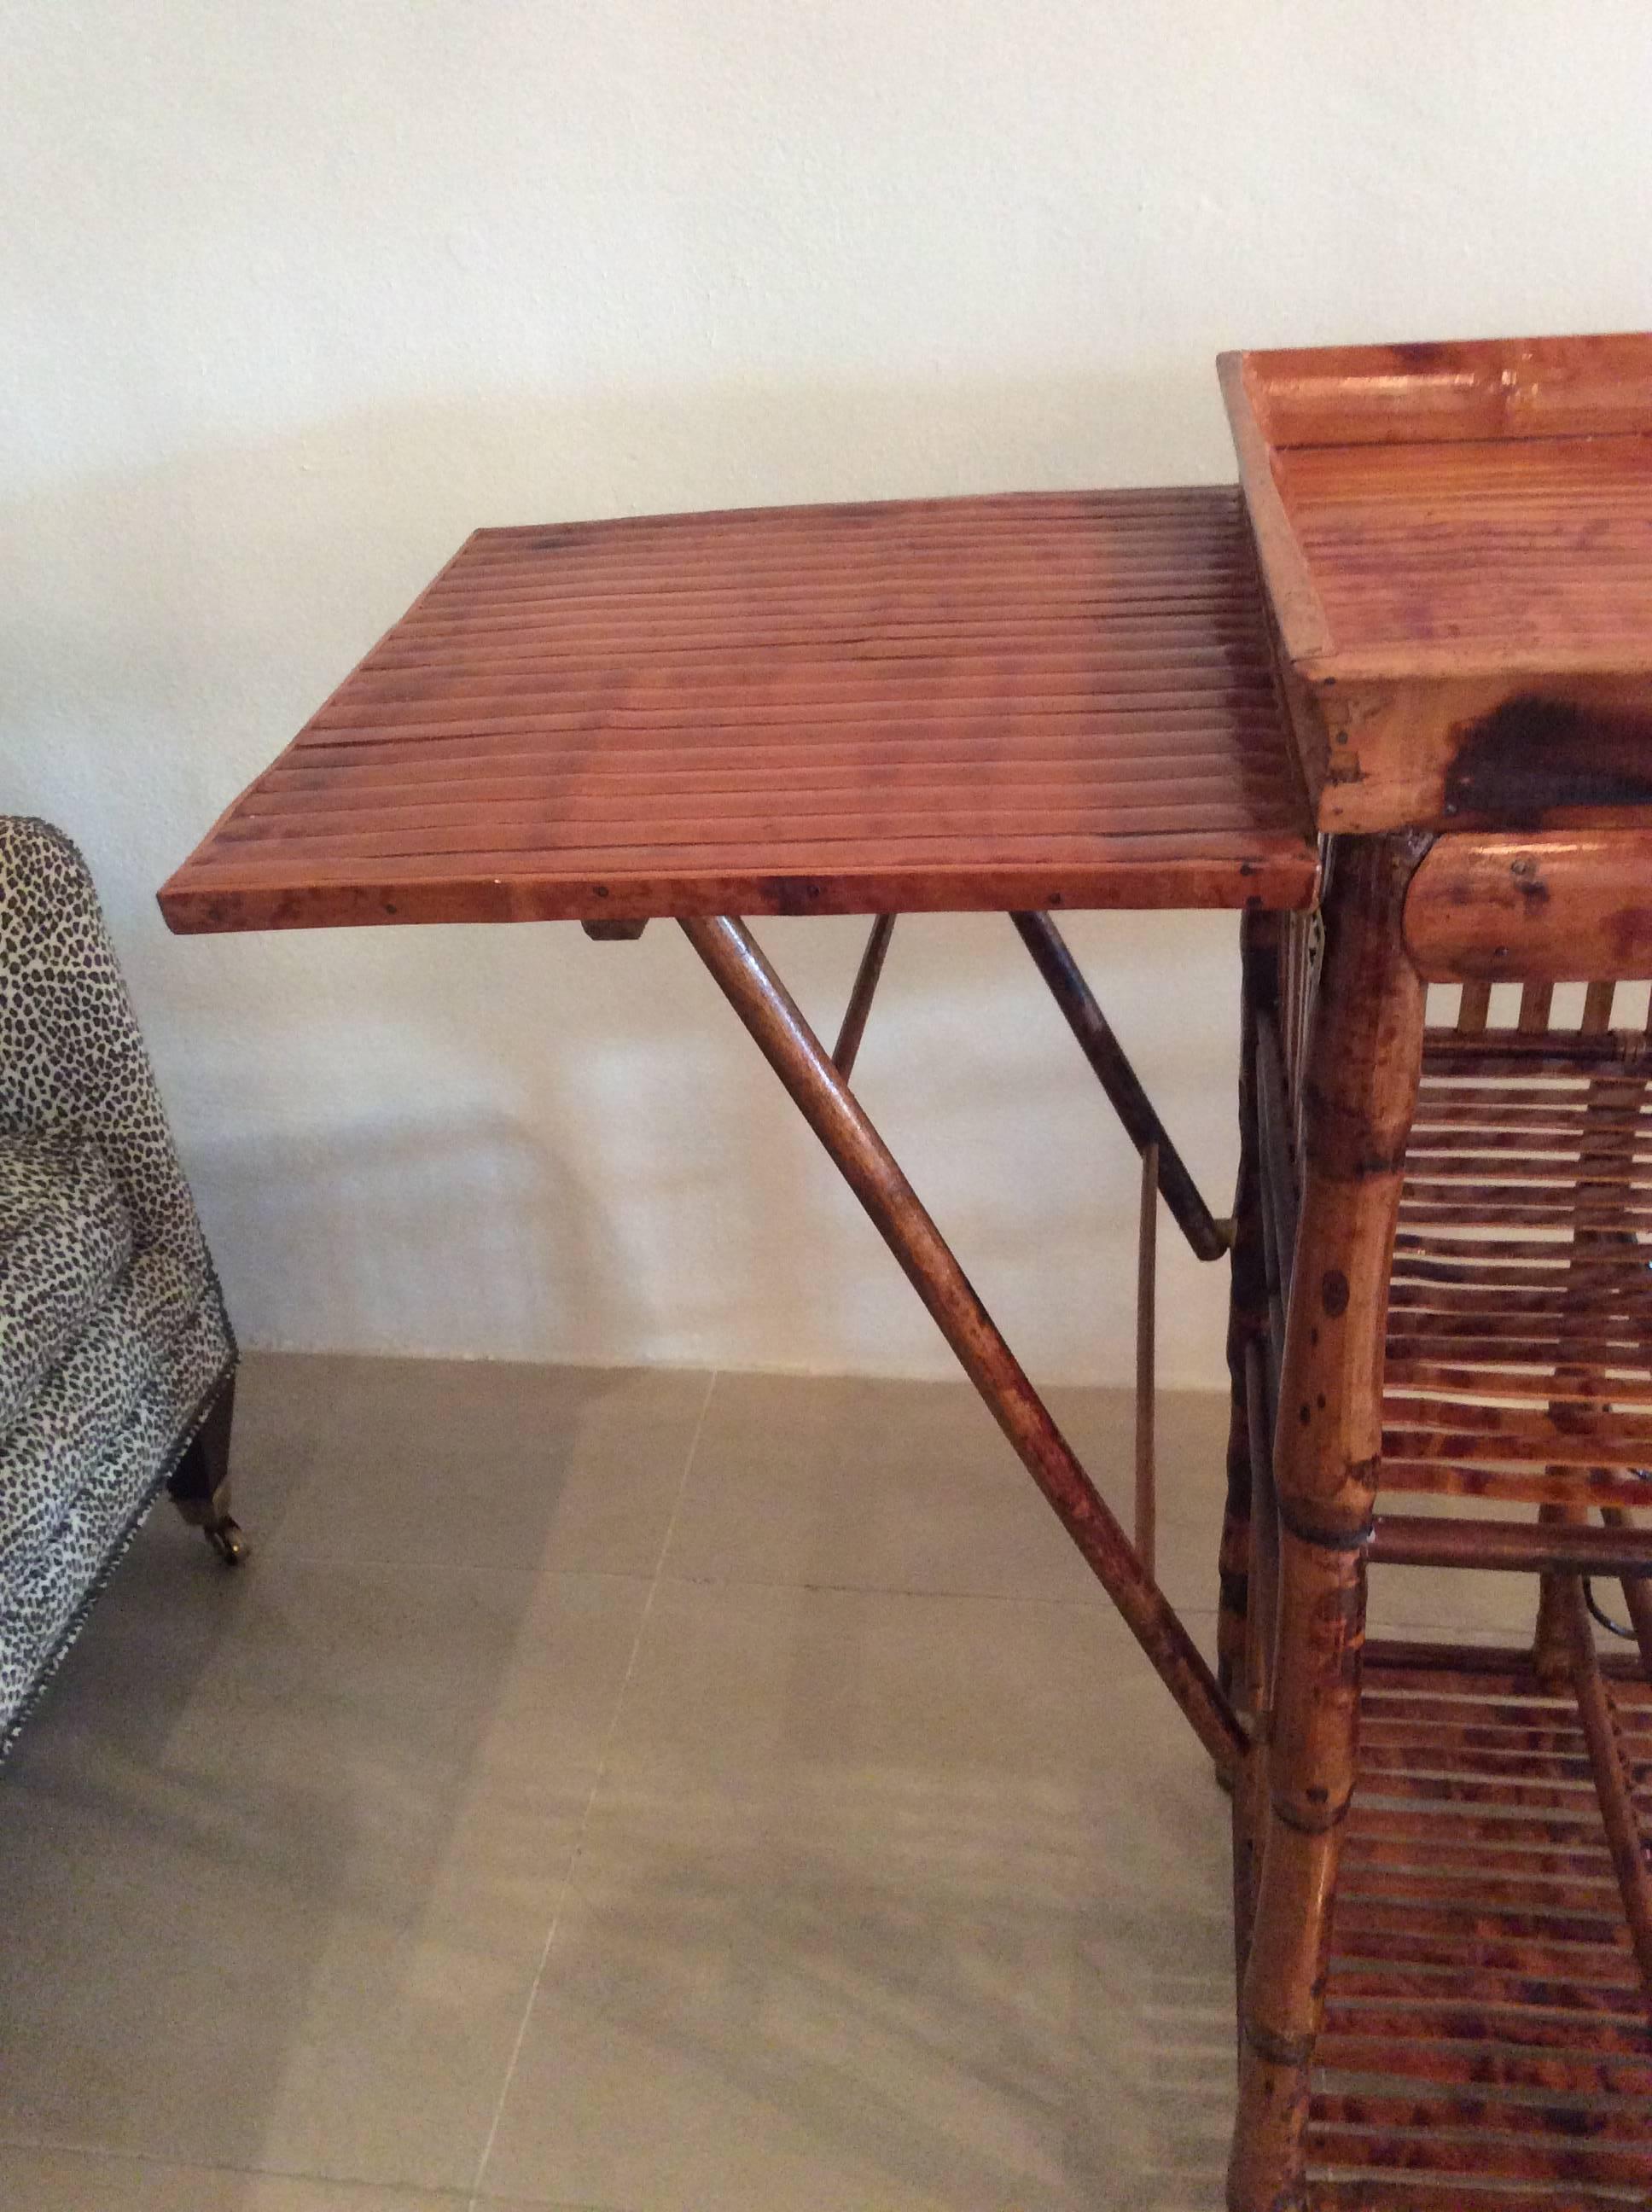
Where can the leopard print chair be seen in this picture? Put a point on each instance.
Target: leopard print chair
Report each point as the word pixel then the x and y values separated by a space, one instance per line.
pixel 116 1360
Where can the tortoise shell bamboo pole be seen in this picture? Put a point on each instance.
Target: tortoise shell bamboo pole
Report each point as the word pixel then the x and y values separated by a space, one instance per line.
pixel 1637 1593
pixel 1605 1154
pixel 1206 1236
pixel 1363 1057
pixel 1265 1092
pixel 1562 1547
pixel 1248 1305
pixel 1279 1176
pixel 1611 1780
pixel 804 1069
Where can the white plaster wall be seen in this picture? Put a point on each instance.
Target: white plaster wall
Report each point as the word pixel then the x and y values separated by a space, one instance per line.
pixel 296 293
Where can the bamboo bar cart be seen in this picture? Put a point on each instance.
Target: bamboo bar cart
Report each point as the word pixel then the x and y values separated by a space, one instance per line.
pixel 1426 695
pixel 1444 1284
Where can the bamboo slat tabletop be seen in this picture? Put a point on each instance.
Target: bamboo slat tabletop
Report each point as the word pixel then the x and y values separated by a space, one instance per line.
pixel 1029 701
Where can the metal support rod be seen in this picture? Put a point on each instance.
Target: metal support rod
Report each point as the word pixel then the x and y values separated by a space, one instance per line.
pixel 847 1048
pixel 866 1164
pixel 1090 1025
pixel 1146 1299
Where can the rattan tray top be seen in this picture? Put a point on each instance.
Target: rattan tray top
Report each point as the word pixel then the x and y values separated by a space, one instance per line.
pixel 1457 541
pixel 1048 700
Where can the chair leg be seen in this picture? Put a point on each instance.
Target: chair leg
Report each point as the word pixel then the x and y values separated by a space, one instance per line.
pixel 1363 1062
pixel 199 1487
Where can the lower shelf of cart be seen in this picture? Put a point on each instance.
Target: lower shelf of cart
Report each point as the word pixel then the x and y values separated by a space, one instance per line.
pixel 1487 2040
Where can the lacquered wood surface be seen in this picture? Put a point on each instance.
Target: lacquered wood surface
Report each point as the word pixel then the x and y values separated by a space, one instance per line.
pixel 1482 554
pixel 1457 541
pixel 1047 700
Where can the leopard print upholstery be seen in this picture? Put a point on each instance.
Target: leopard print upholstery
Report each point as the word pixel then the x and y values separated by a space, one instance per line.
pixel 65 1234
pixel 113 1338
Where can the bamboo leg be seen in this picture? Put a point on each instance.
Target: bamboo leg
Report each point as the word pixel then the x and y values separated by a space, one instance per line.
pixel 1363 1054
pixel 1247 1310
pixel 1637 1593
pixel 1610 1780
pixel 1551 1653
pixel 1245 1582
pixel 1605 1156
pixel 864 1160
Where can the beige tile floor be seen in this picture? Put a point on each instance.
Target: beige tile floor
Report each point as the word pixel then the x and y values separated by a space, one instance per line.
pixel 633 1790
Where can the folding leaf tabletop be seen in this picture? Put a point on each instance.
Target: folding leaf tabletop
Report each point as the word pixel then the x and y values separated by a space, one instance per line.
pixel 1028 703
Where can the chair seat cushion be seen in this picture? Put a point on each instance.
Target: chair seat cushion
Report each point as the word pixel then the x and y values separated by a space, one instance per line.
pixel 65 1235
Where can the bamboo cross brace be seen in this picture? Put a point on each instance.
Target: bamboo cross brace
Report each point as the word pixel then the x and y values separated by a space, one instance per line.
pixel 847 1048
pixel 1208 1237
pixel 866 1164
pixel 1146 1303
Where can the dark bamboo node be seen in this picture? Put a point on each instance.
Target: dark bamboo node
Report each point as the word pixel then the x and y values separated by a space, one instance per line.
pixel 1314 1821
pixel 1316 1525
pixel 1278 2049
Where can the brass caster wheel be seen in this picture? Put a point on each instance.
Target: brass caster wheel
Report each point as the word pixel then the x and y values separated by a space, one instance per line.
pixel 227 1541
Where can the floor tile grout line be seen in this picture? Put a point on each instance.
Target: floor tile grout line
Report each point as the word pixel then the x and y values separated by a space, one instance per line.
pixel 162 2162
pixel 1201 1609
pixel 597 1779
pixel 114 2154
